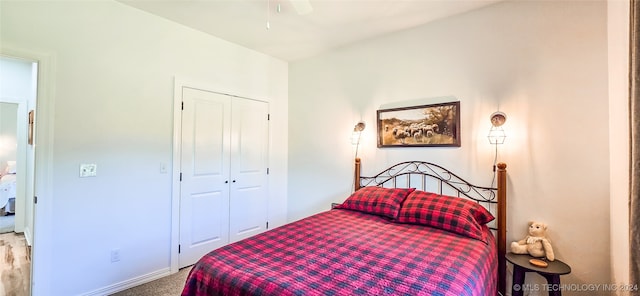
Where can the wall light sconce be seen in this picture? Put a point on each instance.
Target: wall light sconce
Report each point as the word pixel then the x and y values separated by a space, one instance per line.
pixel 496 133
pixel 357 134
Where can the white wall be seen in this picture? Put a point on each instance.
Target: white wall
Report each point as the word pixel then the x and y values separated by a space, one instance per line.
pixel 618 29
pixel 15 86
pixel 16 80
pixel 113 76
pixel 544 63
pixel 8 133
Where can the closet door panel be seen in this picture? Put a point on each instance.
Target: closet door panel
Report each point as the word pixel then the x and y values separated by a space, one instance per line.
pixel 204 190
pixel 249 148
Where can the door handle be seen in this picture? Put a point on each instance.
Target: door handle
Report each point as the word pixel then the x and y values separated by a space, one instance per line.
pixel 226 182
pixel 234 181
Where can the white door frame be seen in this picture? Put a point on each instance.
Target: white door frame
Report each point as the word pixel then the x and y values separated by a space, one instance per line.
pixel 179 83
pixel 41 260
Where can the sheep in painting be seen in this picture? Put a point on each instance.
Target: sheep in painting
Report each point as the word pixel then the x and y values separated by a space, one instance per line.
pixel 401 135
pixel 435 127
pixel 418 135
pixel 429 133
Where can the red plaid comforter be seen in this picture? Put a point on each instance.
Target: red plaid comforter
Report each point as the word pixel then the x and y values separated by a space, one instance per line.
pixel 342 252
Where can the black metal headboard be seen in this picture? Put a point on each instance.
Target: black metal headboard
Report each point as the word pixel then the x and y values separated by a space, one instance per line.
pixel 425 176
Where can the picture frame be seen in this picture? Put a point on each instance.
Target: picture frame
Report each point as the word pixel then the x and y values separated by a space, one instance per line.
pixel 434 125
pixel 31 121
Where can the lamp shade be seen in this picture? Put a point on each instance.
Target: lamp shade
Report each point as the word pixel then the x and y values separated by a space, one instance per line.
pixel 496 135
pixel 355 138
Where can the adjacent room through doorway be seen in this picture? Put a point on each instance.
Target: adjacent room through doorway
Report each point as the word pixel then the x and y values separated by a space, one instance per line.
pixel 18 95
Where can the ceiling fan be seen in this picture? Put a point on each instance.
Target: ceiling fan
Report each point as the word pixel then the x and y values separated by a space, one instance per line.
pixel 302 7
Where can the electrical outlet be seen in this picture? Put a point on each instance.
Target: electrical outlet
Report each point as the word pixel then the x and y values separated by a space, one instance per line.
pixel 115 255
pixel 163 167
pixel 88 170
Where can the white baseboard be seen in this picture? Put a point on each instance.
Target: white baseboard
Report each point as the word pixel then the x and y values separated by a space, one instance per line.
pixel 28 236
pixel 130 283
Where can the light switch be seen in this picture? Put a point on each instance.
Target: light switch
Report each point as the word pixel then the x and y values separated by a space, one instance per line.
pixel 88 170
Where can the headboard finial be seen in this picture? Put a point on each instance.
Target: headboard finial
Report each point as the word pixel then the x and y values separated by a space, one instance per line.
pixel 357 175
pixel 502 226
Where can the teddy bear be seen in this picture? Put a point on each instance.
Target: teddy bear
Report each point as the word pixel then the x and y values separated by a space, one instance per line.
pixel 536 243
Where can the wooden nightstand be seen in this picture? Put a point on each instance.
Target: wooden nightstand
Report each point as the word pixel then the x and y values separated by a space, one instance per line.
pixel 552 273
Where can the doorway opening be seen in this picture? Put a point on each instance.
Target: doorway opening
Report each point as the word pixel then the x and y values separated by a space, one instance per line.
pixel 8 168
pixel 18 95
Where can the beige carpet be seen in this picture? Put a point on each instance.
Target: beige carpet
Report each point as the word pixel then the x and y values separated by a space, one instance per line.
pixel 167 286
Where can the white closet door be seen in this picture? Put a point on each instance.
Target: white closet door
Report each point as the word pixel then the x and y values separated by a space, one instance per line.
pixel 249 146
pixel 204 192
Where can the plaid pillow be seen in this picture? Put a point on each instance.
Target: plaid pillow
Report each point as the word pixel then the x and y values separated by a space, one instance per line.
pixel 454 214
pixel 377 200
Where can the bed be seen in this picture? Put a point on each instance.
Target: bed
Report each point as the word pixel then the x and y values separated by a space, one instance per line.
pixel 8 189
pixel 413 229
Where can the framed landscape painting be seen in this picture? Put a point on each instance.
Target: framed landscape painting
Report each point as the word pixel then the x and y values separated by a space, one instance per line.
pixel 436 125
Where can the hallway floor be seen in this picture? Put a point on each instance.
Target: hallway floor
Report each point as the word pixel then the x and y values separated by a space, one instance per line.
pixel 15 265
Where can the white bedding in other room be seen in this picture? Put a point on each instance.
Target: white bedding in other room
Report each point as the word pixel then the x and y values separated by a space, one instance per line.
pixel 8 192
pixel 8 184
